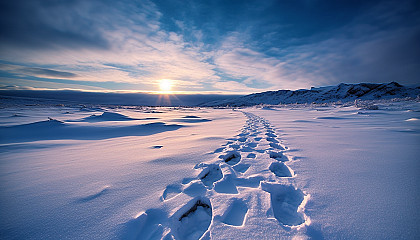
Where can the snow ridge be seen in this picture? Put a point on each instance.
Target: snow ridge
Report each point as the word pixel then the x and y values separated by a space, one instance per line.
pixel 342 92
pixel 247 186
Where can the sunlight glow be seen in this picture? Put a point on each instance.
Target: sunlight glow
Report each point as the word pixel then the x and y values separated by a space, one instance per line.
pixel 165 85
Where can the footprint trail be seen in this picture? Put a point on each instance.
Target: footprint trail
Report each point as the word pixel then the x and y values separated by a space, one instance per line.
pixel 247 189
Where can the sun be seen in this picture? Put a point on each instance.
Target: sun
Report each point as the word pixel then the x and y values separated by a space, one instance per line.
pixel 165 85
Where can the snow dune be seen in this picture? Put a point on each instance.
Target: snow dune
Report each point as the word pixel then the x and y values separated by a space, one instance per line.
pixel 107 116
pixel 56 129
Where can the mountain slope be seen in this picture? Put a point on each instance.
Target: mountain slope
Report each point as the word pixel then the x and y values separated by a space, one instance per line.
pixel 343 92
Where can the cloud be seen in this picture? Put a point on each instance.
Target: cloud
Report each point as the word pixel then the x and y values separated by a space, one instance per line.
pixel 377 46
pixel 244 63
pixel 255 69
pixel 234 87
pixel 36 72
pixel 51 24
pixel 15 87
pixel 133 40
pixel 363 50
pixel 43 72
pixel 131 45
pixel 26 84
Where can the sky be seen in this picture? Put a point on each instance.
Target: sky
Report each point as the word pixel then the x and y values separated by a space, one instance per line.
pixel 223 46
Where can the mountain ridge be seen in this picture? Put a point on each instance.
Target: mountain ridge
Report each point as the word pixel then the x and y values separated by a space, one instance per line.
pixel 343 92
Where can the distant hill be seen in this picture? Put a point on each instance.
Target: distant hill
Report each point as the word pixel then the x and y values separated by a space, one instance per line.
pixel 109 98
pixel 343 92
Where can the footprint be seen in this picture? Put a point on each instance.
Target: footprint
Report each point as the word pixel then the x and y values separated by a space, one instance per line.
pixel 171 191
pixel 231 158
pixel 227 185
pixel 275 145
pixel 280 169
pixel 273 140
pixel 252 145
pixel 241 167
pixel 271 135
pixel 285 202
pixel 246 149
pixel 187 180
pixel 235 214
pixel 195 189
pixel 242 139
pixel 278 156
pixel 250 182
pixel 251 155
pixel 193 219
pixel 146 226
pixel 210 175
pixel 235 146
pixel 219 150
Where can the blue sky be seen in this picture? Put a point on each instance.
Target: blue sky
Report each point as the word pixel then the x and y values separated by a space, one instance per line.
pixel 207 46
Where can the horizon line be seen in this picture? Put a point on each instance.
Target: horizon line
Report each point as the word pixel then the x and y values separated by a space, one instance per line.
pixel 17 88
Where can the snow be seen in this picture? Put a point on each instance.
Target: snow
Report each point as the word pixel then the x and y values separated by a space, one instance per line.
pixel 278 172
pixel 360 168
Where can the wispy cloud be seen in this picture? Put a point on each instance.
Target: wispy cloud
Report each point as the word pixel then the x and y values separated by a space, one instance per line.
pixel 363 50
pixel 37 72
pixel 234 87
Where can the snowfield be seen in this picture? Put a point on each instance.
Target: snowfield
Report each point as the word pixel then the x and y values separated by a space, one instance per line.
pixel 279 172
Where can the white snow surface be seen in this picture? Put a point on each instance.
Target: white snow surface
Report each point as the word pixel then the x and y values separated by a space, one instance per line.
pixel 290 172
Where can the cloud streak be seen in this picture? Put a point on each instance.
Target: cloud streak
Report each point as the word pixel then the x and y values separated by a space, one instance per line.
pixel 43 72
